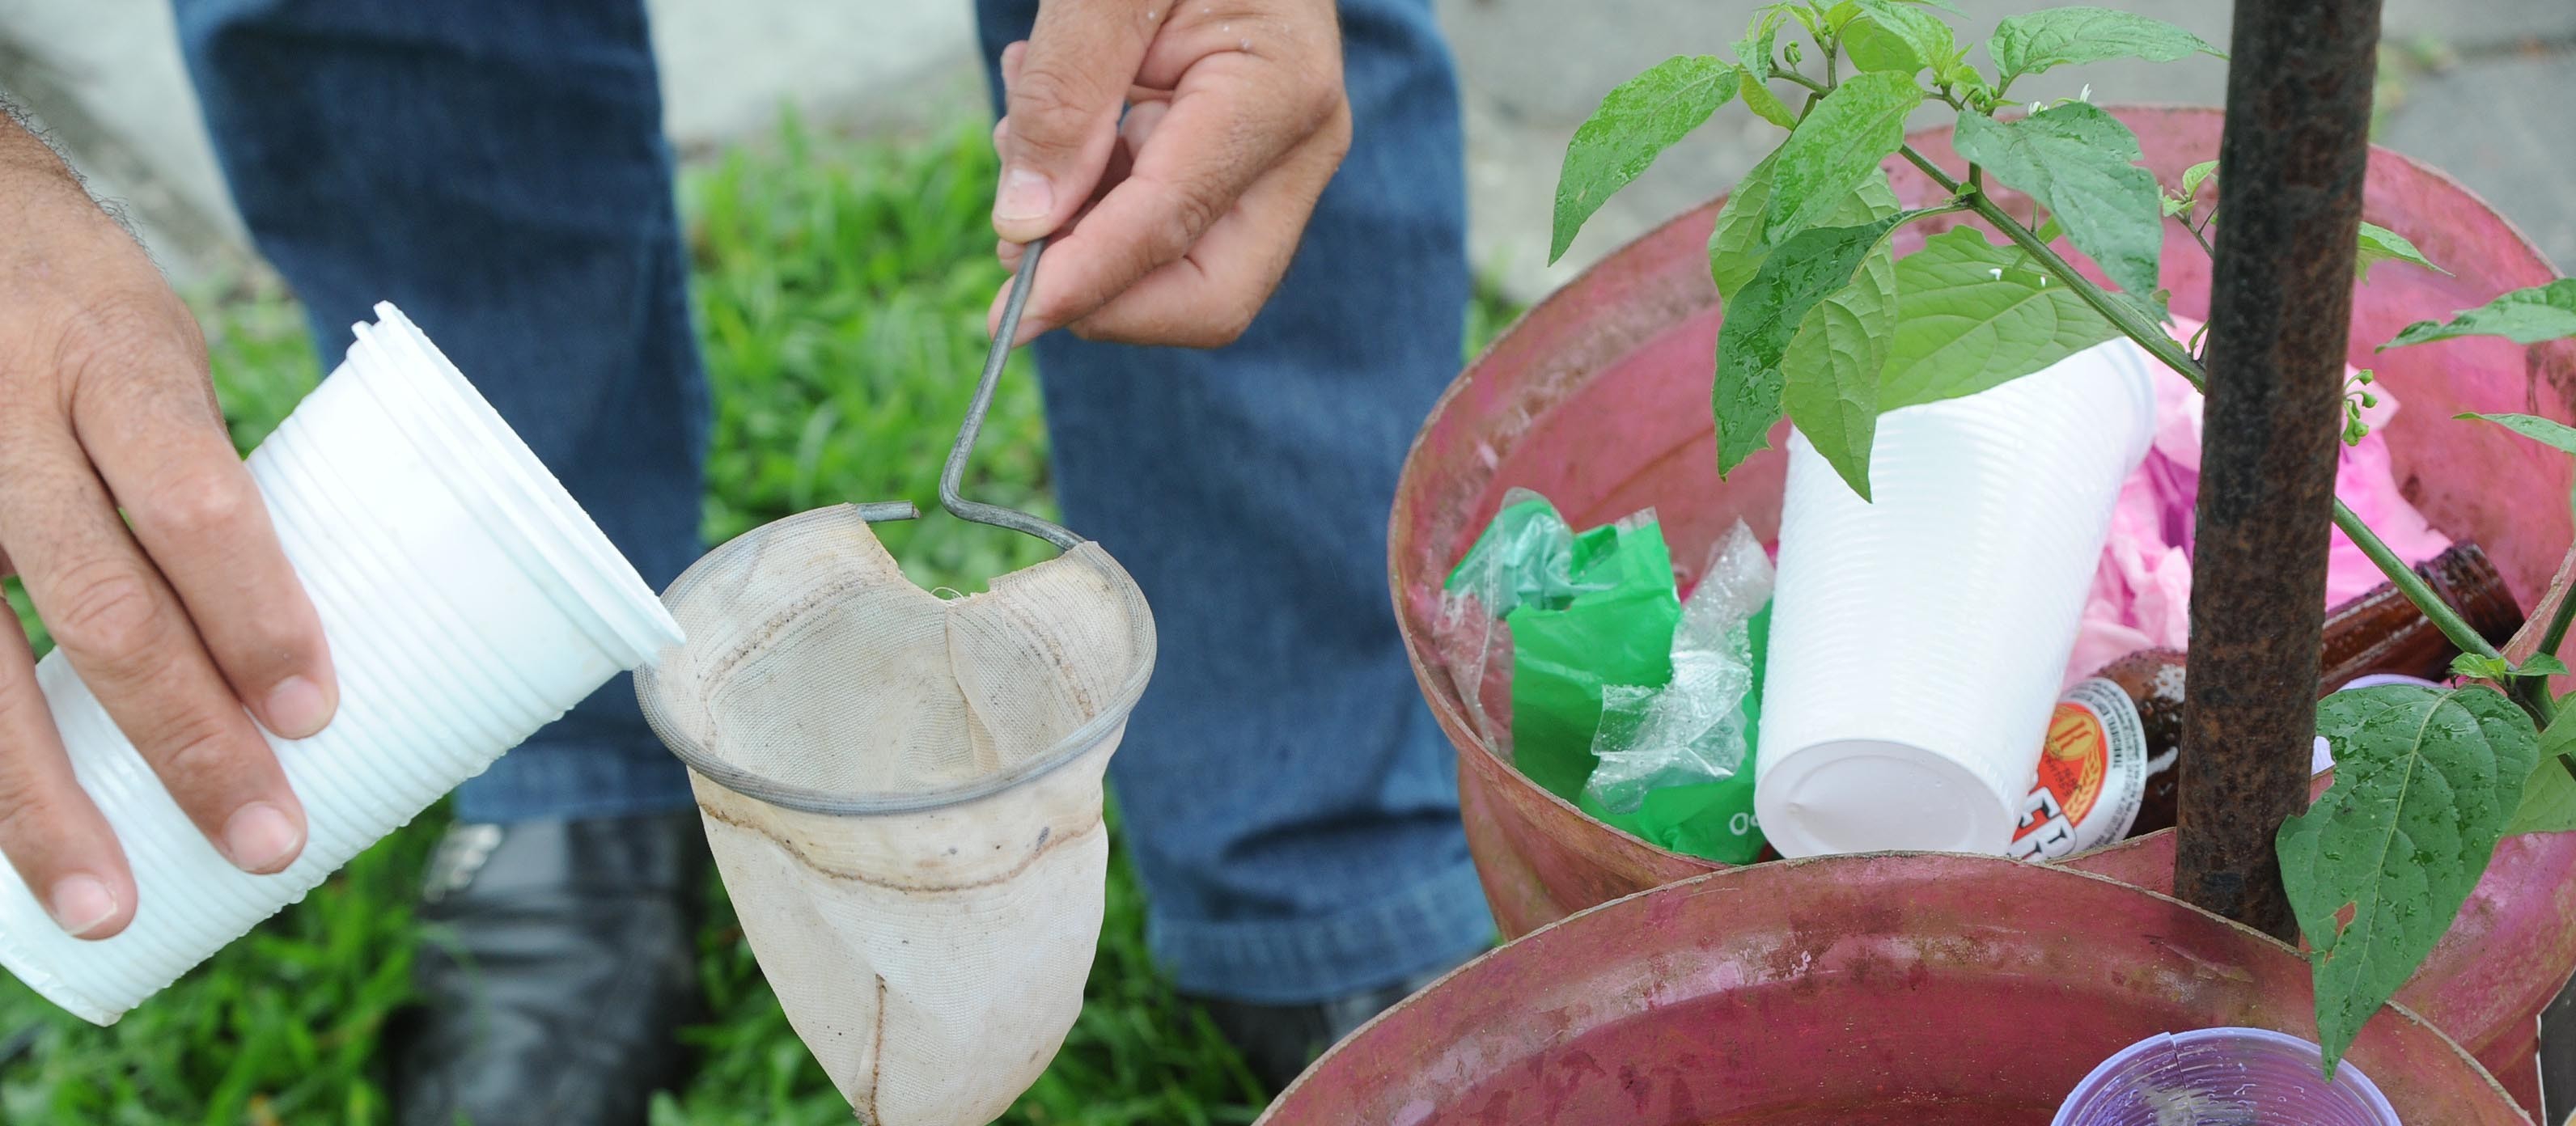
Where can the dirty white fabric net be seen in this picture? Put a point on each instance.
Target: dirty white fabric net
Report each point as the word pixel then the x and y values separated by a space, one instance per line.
pixel 903 794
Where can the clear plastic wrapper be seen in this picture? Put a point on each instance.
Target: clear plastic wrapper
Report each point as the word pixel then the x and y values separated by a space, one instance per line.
pixel 1692 729
pixel 1577 613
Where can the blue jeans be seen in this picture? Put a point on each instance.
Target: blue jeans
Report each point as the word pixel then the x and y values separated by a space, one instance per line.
pixel 498 170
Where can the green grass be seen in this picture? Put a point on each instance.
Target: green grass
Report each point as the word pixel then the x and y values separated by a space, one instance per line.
pixel 841 291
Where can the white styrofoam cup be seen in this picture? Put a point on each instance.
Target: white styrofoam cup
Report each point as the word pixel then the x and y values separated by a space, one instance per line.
pixel 1918 642
pixel 467 600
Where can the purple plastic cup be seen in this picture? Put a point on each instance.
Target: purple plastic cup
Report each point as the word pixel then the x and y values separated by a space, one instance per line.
pixel 2377 679
pixel 2224 1077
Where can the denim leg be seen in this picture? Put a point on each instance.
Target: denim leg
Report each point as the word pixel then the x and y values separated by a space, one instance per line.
pixel 498 170
pixel 1292 807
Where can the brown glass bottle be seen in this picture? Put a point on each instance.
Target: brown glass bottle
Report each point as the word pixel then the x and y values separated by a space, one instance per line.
pixel 2110 745
pixel 2383 632
pixel 2379 632
pixel 2154 681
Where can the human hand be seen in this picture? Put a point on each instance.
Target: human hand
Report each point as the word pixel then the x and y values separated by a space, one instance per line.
pixel 177 616
pixel 1173 226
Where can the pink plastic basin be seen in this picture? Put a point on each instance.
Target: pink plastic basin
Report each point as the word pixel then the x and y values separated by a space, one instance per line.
pixel 1922 990
pixel 1599 399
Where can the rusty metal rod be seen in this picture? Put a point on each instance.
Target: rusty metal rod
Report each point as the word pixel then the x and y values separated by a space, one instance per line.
pixel 2290 175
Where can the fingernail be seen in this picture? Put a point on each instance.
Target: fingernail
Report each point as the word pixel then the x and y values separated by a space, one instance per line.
pixel 81 904
pixel 261 838
pixel 1025 197
pixel 297 708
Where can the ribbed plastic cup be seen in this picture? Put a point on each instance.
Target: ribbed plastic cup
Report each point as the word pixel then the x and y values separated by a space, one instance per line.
pixel 2248 1075
pixel 468 602
pixel 2383 679
pixel 1918 643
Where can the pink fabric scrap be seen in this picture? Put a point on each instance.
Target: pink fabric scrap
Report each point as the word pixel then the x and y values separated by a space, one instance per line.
pixel 2141 596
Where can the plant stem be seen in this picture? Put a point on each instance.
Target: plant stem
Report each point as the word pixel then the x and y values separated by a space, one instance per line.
pixel 2165 348
pixel 2198 237
pixel 2532 692
pixel 2418 591
pixel 1801 80
pixel 2556 634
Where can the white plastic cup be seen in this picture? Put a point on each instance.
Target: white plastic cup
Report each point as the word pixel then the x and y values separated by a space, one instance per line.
pixel 468 602
pixel 1918 643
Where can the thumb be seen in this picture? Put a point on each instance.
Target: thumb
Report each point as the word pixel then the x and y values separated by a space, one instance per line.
pixel 1062 98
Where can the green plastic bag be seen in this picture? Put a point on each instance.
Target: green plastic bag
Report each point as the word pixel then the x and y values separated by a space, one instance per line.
pixel 1591 610
pixel 1617 630
pixel 1710 820
pixel 1584 611
pixel 1526 555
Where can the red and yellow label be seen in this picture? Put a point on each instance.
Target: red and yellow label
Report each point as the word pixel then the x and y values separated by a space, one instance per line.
pixel 2092 774
pixel 2073 759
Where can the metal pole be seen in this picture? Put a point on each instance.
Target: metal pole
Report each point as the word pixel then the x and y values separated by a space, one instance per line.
pixel 2290 177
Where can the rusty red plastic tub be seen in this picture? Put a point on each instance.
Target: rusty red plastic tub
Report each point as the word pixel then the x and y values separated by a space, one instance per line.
pixel 1925 990
pixel 1599 399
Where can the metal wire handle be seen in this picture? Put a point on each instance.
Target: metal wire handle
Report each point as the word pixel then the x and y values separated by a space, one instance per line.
pixel 955 471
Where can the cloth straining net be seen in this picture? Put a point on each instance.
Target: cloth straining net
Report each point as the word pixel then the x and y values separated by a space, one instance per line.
pixel 903 795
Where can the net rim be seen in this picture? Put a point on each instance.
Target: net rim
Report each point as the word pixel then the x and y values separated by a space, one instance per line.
pixel 1079 742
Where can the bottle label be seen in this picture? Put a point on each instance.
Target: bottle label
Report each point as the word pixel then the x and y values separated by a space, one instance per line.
pixel 2092 775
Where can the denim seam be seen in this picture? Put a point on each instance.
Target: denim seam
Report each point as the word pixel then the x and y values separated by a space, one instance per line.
pixel 1299 961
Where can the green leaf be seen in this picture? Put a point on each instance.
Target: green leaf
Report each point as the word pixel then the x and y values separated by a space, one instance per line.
pixel 2548 797
pixel 2538 429
pixel 2472 666
pixel 2080 163
pixel 1766 105
pixel 2542 664
pixel 1754 51
pixel 1833 363
pixel 2180 202
pixel 1736 247
pixel 1812 265
pixel 1897 36
pixel 2424 782
pixel 2549 794
pixel 1839 144
pixel 1635 124
pixel 2031 43
pixel 1975 315
pixel 1871 47
pixel 1969 83
pixel 2379 244
pixel 2524 316
pixel 2547 432
pixel 2194 175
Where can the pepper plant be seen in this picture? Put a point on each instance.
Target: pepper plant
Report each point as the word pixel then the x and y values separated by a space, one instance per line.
pixel 1825 325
